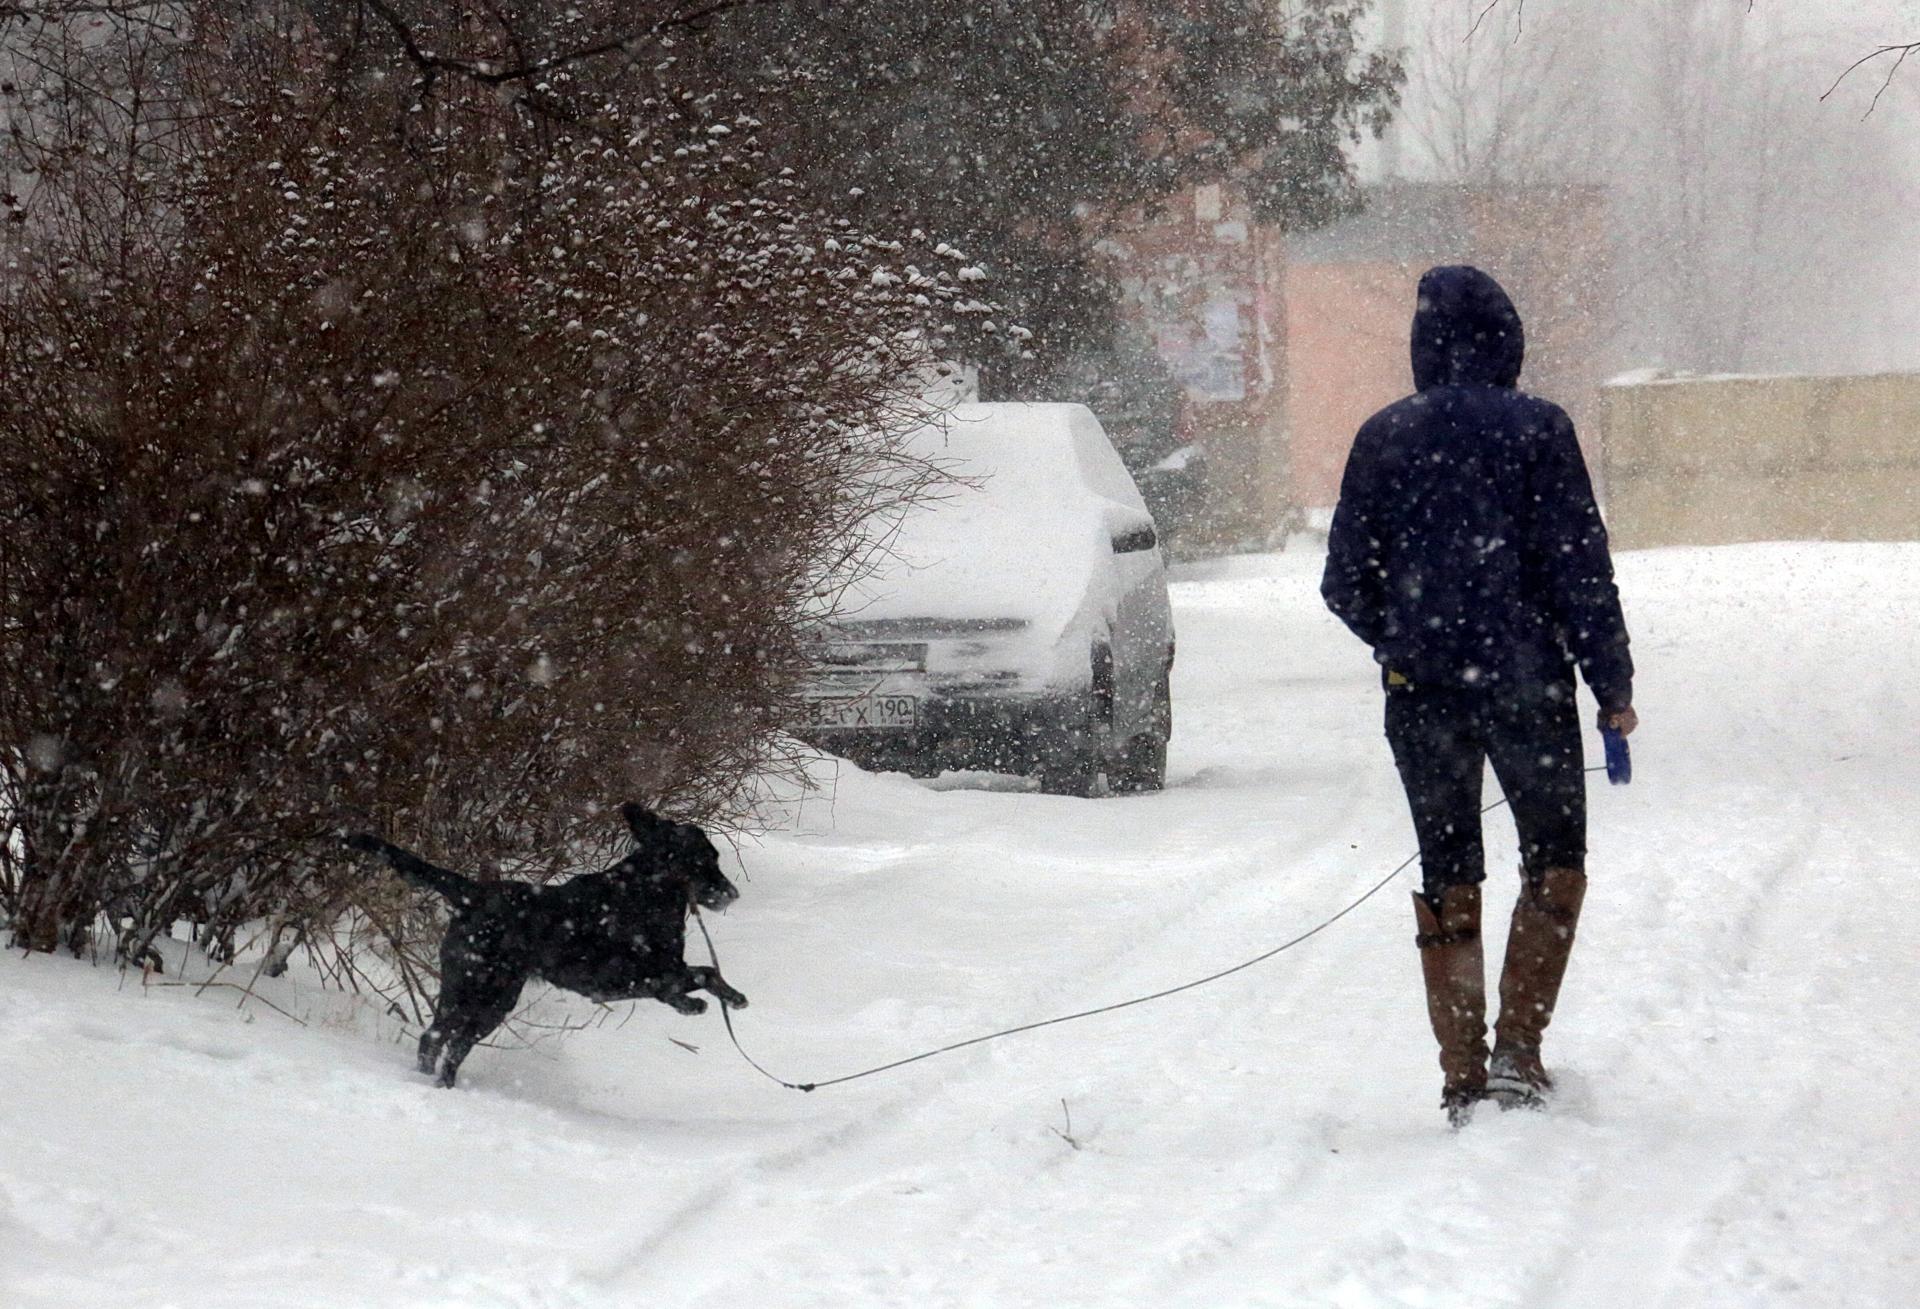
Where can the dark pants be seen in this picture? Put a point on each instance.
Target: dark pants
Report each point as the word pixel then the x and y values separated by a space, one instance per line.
pixel 1442 738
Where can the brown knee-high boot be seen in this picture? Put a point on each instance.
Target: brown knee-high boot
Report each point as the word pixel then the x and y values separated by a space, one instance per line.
pixel 1453 965
pixel 1538 944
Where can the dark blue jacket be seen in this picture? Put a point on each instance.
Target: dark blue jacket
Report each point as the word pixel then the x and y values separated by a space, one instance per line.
pixel 1467 548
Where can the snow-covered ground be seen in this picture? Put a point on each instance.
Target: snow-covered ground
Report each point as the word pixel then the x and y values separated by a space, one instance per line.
pixel 1737 1039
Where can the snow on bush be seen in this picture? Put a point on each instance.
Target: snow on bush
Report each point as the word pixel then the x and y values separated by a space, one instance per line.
pixel 387 443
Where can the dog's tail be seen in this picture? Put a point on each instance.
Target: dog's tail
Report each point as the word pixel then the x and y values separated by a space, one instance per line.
pixel 417 871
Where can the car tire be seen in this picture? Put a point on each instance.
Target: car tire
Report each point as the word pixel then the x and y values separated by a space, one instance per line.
pixel 1143 766
pixel 1077 764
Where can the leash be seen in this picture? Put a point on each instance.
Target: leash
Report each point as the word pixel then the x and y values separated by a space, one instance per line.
pixel 726 1015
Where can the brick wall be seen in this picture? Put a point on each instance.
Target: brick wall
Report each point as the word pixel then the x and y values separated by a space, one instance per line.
pixel 1350 299
pixel 1347 331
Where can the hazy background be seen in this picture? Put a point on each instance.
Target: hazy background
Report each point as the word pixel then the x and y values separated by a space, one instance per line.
pixel 1756 227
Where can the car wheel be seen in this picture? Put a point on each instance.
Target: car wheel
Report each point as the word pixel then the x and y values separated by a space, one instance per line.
pixel 1143 767
pixel 1076 765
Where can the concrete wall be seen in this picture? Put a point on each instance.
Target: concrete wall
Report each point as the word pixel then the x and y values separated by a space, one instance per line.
pixel 1711 461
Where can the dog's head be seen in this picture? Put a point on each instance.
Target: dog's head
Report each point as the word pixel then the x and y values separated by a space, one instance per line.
pixel 685 852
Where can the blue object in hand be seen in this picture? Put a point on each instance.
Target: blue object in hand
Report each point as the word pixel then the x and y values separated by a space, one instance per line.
pixel 1619 762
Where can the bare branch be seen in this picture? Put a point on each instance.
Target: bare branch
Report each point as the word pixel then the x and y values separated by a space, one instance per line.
pixel 1900 55
pixel 684 19
pixel 55 10
pixel 1519 18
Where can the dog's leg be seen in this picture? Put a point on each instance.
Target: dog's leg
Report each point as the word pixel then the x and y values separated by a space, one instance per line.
pixel 706 978
pixel 676 989
pixel 447 1006
pixel 480 1012
pixel 672 988
pixel 462 1034
pixel 457 1047
pixel 680 1000
pixel 432 1041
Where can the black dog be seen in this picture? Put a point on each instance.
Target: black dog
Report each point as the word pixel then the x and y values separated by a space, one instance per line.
pixel 613 935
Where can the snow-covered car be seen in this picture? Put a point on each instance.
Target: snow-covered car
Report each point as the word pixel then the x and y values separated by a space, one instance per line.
pixel 1020 621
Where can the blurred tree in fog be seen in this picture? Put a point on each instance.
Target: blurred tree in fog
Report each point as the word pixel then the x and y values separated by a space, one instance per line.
pixel 1009 128
pixel 1746 214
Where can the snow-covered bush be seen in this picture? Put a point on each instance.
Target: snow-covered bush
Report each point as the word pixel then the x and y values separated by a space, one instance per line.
pixel 384 443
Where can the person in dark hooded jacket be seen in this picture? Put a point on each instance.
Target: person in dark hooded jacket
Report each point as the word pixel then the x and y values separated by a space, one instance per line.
pixel 1468 552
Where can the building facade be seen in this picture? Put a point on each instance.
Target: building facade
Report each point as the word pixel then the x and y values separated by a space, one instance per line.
pixel 1283 345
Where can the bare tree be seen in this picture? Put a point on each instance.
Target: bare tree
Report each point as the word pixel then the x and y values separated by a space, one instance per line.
pixel 1751 206
pixel 1883 60
pixel 1501 105
pixel 1743 210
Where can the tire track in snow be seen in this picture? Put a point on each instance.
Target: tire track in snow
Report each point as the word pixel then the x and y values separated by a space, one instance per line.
pixel 1603 1252
pixel 1569 1245
pixel 1206 882
pixel 684 1234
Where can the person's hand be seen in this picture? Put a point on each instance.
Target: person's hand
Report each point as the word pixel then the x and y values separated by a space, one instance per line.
pixel 1622 721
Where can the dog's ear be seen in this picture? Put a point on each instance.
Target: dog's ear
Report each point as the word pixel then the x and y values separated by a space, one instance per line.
pixel 641 821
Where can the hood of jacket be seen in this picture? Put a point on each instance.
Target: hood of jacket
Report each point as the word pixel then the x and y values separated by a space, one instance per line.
pixel 1465 331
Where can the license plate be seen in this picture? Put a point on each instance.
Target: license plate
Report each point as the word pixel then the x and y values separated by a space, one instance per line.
pixel 895 711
